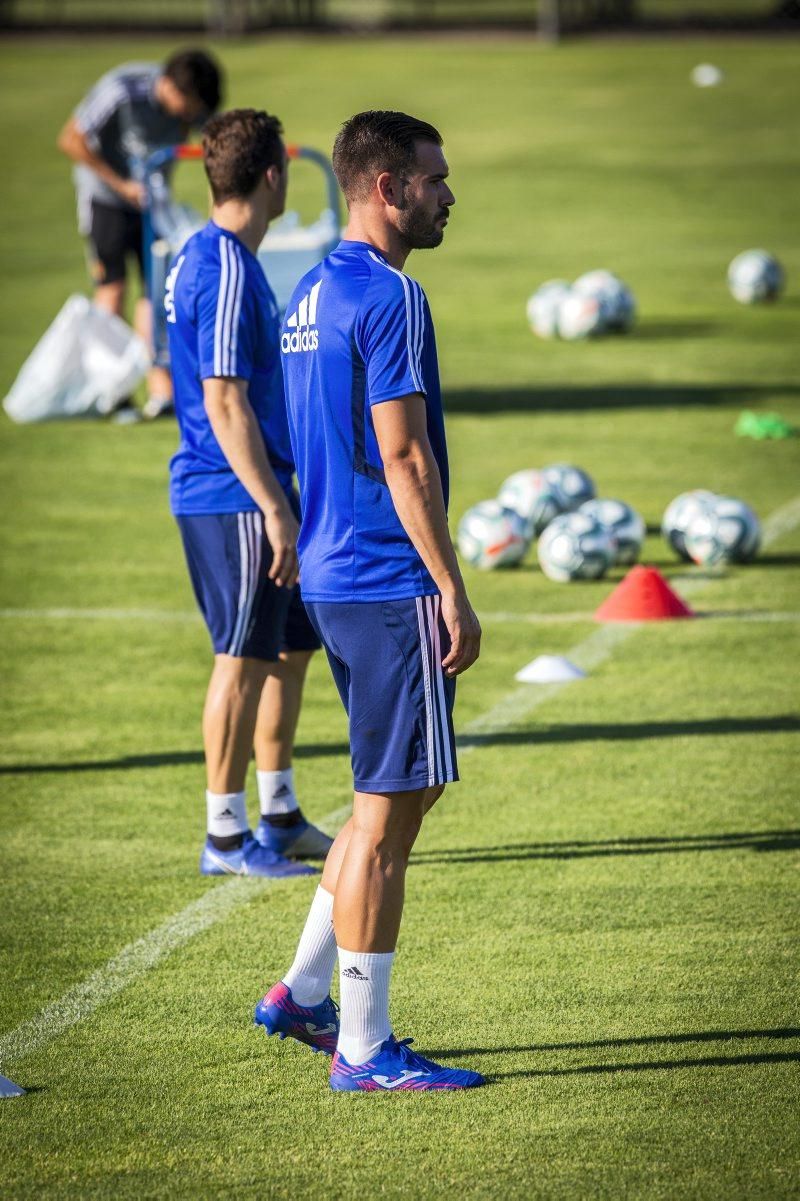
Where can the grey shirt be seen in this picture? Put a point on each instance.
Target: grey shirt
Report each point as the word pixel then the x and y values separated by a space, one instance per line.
pixel 123 123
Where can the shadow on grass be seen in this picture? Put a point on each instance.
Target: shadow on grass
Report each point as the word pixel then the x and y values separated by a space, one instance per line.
pixel 310 750
pixel 559 399
pixel 778 561
pixel 554 734
pixel 758 840
pixel 636 731
pixel 655 1065
pixel 699 1036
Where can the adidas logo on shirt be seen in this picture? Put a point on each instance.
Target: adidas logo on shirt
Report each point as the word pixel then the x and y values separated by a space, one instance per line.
pixel 299 336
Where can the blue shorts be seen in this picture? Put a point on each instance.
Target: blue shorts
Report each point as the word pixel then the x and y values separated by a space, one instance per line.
pixel 247 614
pixel 386 658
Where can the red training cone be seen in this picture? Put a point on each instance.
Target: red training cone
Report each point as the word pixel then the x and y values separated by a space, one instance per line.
pixel 644 595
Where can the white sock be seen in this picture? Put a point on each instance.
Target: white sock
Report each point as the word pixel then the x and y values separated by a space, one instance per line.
pixel 227 813
pixel 364 999
pixel 276 792
pixel 309 977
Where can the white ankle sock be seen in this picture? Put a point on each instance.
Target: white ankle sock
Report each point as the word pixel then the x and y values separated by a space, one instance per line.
pixel 364 999
pixel 276 792
pixel 309 977
pixel 227 813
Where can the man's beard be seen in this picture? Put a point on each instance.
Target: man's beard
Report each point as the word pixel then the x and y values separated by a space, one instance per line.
pixel 417 230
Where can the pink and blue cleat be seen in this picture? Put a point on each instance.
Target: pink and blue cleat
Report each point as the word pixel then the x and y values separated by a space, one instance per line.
pixel 315 1025
pixel 397 1067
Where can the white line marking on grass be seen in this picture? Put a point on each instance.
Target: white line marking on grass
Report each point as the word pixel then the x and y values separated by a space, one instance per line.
pixel 781 522
pixel 154 615
pixel 80 1002
pixel 133 961
pixel 516 706
pixel 575 618
pixel 535 619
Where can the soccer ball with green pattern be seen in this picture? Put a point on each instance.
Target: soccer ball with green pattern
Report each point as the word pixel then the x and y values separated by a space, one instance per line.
pixel 623 522
pixel 490 536
pixel 535 496
pixel 679 513
pixel 728 532
pixel 575 546
pixel 576 485
pixel 755 276
pixel 543 305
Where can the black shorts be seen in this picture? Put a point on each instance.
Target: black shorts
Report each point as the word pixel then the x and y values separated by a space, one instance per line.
pixel 114 235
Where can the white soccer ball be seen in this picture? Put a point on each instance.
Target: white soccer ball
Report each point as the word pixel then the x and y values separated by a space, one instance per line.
pixel 543 305
pixel 575 547
pixel 623 523
pixel 491 536
pixel 679 513
pixel 576 485
pixel 581 316
pixel 729 532
pixel 755 276
pixel 615 296
pixel 535 497
pixel 706 75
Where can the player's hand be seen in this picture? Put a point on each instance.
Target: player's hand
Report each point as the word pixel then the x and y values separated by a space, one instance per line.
pixel 465 634
pixel 134 192
pixel 282 529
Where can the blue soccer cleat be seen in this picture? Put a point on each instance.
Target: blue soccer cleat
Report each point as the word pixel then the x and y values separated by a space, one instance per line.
pixel 301 841
pixel 315 1025
pixel 250 859
pixel 397 1067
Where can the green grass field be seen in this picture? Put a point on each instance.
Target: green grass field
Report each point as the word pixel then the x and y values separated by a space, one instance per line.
pixel 603 915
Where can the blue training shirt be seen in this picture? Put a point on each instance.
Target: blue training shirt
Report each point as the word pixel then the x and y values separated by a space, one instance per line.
pixel 357 332
pixel 222 321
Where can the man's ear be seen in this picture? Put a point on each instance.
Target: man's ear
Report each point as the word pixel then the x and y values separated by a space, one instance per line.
pixel 390 189
pixel 273 177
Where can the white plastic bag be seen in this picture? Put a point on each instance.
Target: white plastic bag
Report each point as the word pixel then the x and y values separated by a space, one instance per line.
pixel 86 362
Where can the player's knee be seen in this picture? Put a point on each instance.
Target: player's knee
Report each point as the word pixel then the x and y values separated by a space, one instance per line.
pixel 240 676
pixel 391 833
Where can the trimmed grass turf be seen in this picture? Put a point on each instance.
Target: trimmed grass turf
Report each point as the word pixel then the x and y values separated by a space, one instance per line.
pixel 602 916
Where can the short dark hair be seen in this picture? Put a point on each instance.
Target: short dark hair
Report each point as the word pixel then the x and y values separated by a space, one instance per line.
pixel 377 141
pixel 238 146
pixel 196 73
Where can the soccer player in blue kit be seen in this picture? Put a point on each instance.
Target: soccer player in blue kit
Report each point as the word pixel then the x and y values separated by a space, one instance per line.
pixel 231 493
pixel 381 583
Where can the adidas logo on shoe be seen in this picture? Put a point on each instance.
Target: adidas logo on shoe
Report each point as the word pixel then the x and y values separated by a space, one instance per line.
pixel 353 973
pixel 299 336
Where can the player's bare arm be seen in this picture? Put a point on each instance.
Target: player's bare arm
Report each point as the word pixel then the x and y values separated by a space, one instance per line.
pixel 236 429
pixel 73 143
pixel 413 479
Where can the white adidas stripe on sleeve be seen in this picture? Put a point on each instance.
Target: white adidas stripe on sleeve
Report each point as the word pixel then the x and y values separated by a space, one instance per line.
pixel 229 306
pixel 237 309
pixel 412 293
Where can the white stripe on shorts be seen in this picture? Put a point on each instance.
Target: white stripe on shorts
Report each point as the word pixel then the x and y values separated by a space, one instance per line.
pixel 439 678
pixel 244 575
pixel 431 608
pixel 426 672
pixel 255 568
